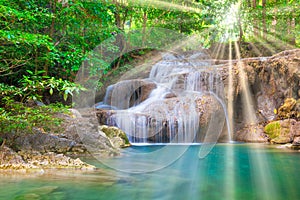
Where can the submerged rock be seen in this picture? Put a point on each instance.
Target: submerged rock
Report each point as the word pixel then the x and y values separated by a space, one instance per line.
pixel 44 192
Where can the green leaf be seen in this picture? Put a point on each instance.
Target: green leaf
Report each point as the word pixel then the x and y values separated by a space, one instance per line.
pixel 29 72
pixel 65 96
pixel 51 91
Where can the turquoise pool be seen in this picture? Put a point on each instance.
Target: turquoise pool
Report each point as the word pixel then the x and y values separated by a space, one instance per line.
pixel 229 171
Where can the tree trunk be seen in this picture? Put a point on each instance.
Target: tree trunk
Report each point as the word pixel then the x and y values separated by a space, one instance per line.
pixel 249 3
pixel 274 21
pixel 240 29
pixel 291 24
pixel 51 33
pixel 264 19
pixel 144 27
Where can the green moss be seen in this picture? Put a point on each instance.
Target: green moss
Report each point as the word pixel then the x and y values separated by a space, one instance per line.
pixel 125 138
pixel 273 129
pixel 112 132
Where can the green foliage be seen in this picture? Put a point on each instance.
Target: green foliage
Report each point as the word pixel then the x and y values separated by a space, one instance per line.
pixel 276 21
pixel 59 37
pixel 16 117
pixel 34 85
pixel 49 36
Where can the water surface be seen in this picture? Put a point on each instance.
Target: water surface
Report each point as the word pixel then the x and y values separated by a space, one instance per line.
pixel 230 171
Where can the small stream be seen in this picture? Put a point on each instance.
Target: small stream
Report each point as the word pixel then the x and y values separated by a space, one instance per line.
pixel 229 171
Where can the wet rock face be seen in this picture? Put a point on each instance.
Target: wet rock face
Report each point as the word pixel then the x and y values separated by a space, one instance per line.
pixel 160 122
pixel 271 80
pixel 87 134
pixel 274 85
pixel 126 94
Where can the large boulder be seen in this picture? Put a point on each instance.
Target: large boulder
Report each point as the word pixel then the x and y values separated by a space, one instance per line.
pixel 128 93
pixel 282 131
pixel 86 132
pixel 79 134
pixel 44 142
pixel 252 133
pixel 117 137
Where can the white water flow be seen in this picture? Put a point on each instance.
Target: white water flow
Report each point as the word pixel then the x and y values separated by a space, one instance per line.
pixel 186 104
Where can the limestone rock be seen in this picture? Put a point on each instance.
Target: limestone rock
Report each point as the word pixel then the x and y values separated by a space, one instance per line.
pixel 84 132
pixel 126 94
pixel 266 107
pixel 282 131
pixel 252 133
pixel 296 141
pixel 296 129
pixel 10 160
pixel 117 137
pixel 289 109
pixel 44 142
pixel 282 140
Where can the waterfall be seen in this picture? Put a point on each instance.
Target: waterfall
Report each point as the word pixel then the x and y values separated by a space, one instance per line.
pixel 181 97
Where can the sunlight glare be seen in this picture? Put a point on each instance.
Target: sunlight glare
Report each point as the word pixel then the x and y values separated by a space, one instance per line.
pixel 229 23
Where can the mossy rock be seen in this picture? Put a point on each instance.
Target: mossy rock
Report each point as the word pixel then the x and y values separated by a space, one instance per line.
pixel 115 134
pixel 279 131
pixel 281 140
pixel 273 129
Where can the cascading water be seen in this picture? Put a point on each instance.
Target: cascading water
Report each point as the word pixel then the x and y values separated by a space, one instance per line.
pixel 182 101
